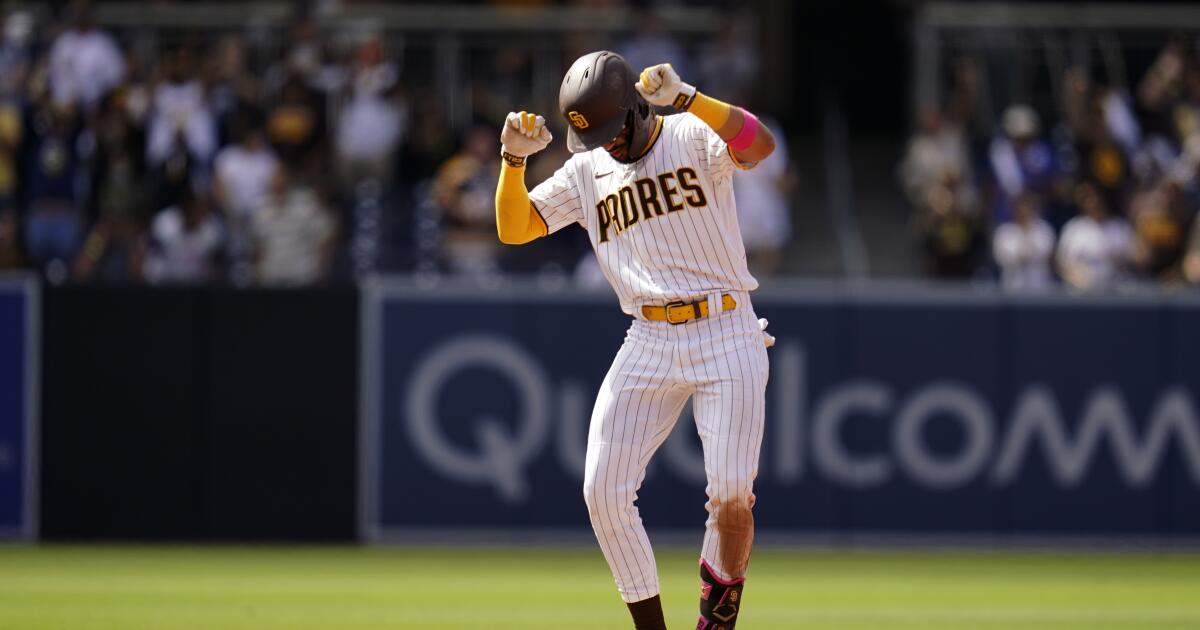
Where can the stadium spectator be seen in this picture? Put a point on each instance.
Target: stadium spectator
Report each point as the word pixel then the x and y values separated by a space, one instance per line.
pixel 112 253
pixel 952 233
pixel 242 177
pixel 113 249
pixel 1161 84
pixel 179 117
pixel 16 51
pixel 764 215
pixel 232 88
pixel 85 62
pixel 135 97
pixel 464 190
pixel 53 169
pixel 1187 112
pixel 1159 93
pixel 302 58
pixel 169 180
pixel 1159 216
pixel 1105 135
pixel 10 241
pixel 372 118
pixel 296 124
pixel 936 177
pixel 936 154
pixel 1169 92
pixel 185 242
pixel 1020 160
pixel 293 233
pixel 15 58
pixel 1024 247
pixel 243 171
pixel 12 132
pixel 1191 258
pixel 1095 248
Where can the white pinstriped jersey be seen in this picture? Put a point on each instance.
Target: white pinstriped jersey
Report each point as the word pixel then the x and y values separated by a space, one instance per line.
pixel 664 227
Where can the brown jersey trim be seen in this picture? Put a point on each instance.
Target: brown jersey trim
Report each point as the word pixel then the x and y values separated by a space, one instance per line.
pixel 538 213
pixel 653 138
pixel 745 166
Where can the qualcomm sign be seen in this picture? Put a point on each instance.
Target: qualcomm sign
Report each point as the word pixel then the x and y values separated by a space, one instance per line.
pixel 807 437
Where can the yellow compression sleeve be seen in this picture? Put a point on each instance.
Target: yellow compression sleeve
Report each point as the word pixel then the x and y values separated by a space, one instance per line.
pixel 714 113
pixel 517 221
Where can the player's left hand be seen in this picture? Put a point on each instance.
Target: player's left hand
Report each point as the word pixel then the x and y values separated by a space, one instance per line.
pixel 661 86
pixel 768 339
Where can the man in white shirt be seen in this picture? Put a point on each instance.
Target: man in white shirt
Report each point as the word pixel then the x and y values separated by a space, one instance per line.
pixel 243 174
pixel 180 113
pixel 1023 248
pixel 85 63
pixel 1094 249
pixel 371 124
pixel 185 241
pixel 293 235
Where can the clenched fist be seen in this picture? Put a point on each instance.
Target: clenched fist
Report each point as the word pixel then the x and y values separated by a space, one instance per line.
pixel 661 86
pixel 524 134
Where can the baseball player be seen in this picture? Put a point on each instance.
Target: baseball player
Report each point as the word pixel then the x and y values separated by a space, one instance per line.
pixel 654 194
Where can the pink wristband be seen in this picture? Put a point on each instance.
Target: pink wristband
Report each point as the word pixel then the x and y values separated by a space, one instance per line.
pixel 745 137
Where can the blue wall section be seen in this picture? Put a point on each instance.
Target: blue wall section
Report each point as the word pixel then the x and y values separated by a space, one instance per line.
pixel 15 401
pixel 982 415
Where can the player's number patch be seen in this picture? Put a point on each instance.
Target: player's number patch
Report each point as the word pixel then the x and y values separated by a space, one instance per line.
pixel 578 120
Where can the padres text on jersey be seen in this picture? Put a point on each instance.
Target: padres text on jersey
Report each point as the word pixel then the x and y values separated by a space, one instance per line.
pixel 620 209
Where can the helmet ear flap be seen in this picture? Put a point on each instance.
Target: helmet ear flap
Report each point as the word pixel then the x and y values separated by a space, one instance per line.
pixel 640 106
pixel 638 120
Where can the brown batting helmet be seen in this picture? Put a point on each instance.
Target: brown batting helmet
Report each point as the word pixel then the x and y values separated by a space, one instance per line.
pixel 597 100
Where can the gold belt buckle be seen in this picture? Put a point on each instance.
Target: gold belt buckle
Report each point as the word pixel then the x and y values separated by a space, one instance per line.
pixel 667 312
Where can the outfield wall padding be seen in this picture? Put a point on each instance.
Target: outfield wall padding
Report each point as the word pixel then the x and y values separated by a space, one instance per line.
pixel 199 414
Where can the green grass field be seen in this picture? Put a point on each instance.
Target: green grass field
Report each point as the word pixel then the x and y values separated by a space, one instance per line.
pixel 309 588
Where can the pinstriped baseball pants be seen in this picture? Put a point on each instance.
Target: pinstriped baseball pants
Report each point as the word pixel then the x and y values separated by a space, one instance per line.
pixel 721 364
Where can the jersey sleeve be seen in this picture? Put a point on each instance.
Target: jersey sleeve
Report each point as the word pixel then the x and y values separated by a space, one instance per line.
pixel 557 199
pixel 711 149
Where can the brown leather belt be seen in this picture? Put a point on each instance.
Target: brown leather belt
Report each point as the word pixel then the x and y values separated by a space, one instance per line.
pixel 683 312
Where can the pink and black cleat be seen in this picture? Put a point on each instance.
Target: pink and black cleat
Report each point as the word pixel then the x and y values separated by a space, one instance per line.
pixel 719 600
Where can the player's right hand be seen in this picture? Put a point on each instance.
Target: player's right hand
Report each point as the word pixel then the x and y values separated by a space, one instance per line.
pixel 524 134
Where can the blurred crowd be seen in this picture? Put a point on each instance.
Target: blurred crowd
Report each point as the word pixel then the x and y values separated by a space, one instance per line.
pixel 213 161
pixel 1097 192
pixel 172 169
